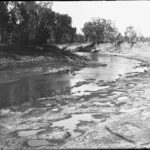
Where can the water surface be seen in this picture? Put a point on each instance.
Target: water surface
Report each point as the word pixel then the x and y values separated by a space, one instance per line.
pixel 25 88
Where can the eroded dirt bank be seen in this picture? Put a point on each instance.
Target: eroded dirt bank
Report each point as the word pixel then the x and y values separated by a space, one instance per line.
pixel 27 58
pixel 114 116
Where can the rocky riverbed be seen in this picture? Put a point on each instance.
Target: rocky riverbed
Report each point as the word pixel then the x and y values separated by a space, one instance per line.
pixel 110 114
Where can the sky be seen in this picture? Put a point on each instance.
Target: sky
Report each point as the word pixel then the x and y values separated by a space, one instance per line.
pixel 122 13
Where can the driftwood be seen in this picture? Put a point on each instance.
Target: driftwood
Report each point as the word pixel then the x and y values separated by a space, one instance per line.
pixel 87 48
pixel 119 135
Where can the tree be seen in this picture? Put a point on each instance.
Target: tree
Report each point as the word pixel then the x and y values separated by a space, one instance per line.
pixel 130 35
pixel 34 23
pixel 4 17
pixel 110 32
pixel 64 32
pixel 99 30
pixel 118 40
pixel 79 38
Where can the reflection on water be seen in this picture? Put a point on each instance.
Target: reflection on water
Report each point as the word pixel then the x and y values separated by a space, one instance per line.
pixel 30 88
pixel 115 66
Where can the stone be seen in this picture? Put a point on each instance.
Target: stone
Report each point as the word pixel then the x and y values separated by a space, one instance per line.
pixel 28 132
pixel 37 143
pixel 56 135
pixel 123 99
pixel 55 109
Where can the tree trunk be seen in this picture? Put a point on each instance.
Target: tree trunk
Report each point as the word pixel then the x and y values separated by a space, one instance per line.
pixel 0 38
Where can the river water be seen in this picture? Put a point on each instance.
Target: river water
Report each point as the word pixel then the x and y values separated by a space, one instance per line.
pixel 82 82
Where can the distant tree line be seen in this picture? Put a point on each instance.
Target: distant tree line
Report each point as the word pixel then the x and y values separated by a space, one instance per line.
pixel 100 30
pixel 34 23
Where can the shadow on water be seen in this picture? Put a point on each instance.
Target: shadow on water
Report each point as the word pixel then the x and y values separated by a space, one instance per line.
pixel 31 88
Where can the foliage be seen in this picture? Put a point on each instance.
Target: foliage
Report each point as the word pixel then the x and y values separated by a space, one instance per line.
pixel 4 17
pixel 63 29
pixel 130 34
pixel 79 38
pixel 99 30
pixel 33 23
pixel 118 40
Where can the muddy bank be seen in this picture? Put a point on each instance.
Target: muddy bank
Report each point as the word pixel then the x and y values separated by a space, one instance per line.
pixel 140 51
pixel 15 58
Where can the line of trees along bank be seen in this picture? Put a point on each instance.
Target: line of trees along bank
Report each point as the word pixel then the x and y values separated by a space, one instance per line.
pixel 30 23
pixel 99 30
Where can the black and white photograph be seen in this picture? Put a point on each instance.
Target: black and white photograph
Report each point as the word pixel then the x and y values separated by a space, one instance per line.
pixel 74 74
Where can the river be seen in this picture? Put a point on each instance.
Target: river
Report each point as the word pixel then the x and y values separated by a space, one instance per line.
pixel 29 88
pixel 54 110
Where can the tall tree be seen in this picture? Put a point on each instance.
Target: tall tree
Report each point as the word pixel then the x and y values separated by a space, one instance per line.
pixel 99 30
pixel 64 31
pixel 4 17
pixel 130 34
pixel 34 23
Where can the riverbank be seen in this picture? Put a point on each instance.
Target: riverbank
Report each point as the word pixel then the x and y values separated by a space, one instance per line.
pixel 114 115
pixel 15 58
pixel 128 124
pixel 140 51
pixel 122 113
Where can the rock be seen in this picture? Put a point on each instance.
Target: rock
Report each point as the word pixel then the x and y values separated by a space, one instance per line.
pixel 56 135
pixel 37 143
pixel 123 99
pixel 28 132
pixel 131 85
pixel 86 48
pixel 55 109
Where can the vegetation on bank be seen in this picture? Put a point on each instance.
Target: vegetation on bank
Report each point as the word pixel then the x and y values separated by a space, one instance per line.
pixel 35 23
pixel 32 23
pixel 16 57
pixel 33 29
